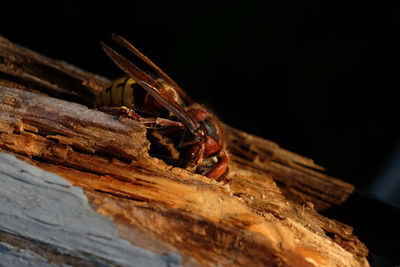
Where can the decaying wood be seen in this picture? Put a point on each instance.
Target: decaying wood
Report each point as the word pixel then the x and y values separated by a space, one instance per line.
pixel 299 178
pixel 49 222
pixel 24 69
pixel 250 222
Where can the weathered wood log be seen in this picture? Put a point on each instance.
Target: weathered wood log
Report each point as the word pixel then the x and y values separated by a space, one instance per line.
pixel 250 222
pixel 299 178
pixel 55 223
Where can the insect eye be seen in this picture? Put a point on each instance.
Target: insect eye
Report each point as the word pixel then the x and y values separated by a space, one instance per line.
pixel 211 129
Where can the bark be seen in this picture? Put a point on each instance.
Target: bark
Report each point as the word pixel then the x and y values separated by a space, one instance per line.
pixel 265 216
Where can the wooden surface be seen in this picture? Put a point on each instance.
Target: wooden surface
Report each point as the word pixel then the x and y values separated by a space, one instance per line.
pixel 55 221
pixel 299 178
pixel 266 216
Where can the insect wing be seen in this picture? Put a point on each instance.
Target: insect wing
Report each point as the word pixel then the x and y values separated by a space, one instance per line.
pixel 145 81
pixel 123 42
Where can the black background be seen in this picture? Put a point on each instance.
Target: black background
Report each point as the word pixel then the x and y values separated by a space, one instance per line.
pixel 319 78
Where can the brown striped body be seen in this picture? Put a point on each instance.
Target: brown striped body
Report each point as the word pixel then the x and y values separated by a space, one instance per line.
pixel 126 92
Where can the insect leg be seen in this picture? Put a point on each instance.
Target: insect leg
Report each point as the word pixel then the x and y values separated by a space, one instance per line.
pixel 148 122
pixel 161 122
pixel 121 111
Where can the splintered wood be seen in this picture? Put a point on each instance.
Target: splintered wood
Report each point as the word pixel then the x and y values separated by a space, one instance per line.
pixel 250 222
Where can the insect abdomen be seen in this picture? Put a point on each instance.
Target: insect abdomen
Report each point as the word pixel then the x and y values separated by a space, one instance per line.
pixel 120 93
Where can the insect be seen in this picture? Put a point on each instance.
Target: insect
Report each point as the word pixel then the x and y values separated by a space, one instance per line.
pixel 189 132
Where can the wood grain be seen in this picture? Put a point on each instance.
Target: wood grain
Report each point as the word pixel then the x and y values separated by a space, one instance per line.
pixel 266 217
pixel 49 222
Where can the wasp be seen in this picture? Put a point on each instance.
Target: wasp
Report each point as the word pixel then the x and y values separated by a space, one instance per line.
pixel 189 130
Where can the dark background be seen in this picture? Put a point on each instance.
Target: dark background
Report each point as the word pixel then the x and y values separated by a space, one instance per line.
pixel 320 79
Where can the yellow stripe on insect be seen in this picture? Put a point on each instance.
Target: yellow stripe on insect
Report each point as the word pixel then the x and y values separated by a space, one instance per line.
pixel 127 98
pixel 116 91
pixel 106 97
